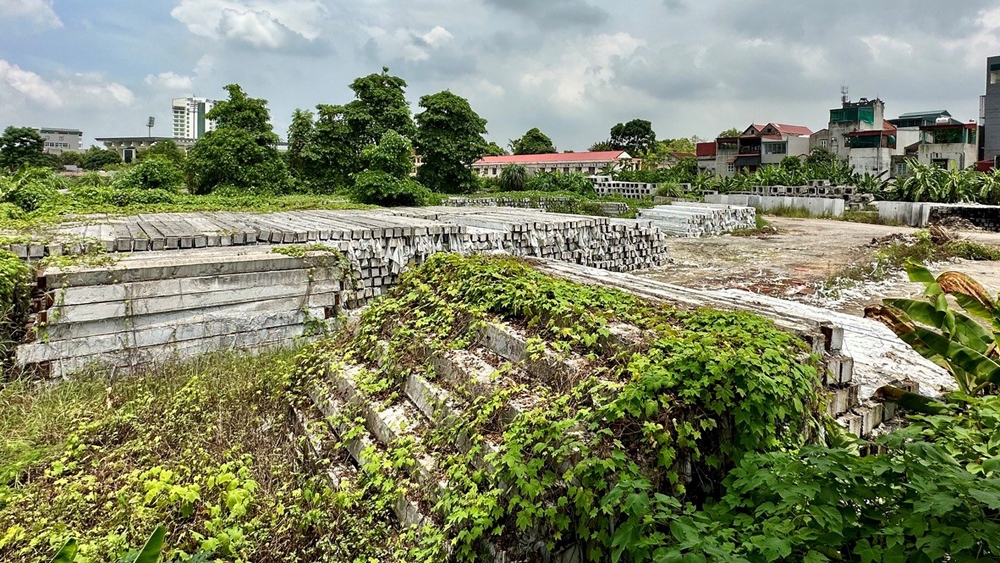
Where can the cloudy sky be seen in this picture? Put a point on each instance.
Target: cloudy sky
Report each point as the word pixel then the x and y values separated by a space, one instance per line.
pixel 573 68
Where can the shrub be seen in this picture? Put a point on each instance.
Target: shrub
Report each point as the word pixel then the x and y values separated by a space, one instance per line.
pixel 513 178
pixel 135 196
pixel 153 173
pixel 14 301
pixel 11 212
pixel 380 188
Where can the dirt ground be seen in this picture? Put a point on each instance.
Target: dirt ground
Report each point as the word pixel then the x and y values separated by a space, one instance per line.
pixel 797 262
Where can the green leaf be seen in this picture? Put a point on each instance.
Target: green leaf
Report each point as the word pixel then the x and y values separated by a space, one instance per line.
pixel 154 546
pixel 992 465
pixel 989 498
pixel 918 273
pixel 67 553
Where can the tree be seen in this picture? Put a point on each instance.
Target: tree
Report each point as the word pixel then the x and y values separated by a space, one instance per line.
pixel 241 152
pixel 513 178
pixel 493 149
pixel 70 157
pixel 97 158
pixel 165 149
pixel 386 178
pixel 300 134
pixel 380 106
pixel 791 163
pixel 449 139
pixel 635 137
pixel 731 132
pixel 601 146
pixel 820 156
pixel 21 147
pixel 532 142
pixel 155 172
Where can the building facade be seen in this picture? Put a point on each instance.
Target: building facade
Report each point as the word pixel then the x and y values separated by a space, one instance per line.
pixel 854 117
pixel 58 141
pixel 991 109
pixel 760 145
pixel 589 163
pixel 189 117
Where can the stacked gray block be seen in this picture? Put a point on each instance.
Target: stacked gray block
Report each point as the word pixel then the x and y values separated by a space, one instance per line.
pixel 689 219
pixel 830 206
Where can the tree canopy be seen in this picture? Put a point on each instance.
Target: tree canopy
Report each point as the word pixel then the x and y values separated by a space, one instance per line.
pixel 385 179
pixel 97 158
pixel 241 152
pixel 731 132
pixel 21 147
pixel 449 139
pixel 380 106
pixel 532 142
pixel 636 137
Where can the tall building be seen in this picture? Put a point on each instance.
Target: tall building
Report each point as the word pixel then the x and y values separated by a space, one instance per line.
pixel 58 141
pixel 189 117
pixel 990 109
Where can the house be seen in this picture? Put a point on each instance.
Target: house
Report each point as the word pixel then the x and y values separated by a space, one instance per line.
pixel 820 140
pixel 949 145
pixel 706 153
pixel 854 117
pixel 760 145
pixel 990 109
pixel 870 151
pixel 589 163
pixel 673 159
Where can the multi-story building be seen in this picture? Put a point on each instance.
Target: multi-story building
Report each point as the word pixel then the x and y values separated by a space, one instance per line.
pixel 760 145
pixel 58 141
pixel 990 109
pixel 854 117
pixel 589 163
pixel 189 117
pixel 706 157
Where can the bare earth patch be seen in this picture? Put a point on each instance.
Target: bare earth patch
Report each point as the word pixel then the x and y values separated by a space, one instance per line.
pixel 797 263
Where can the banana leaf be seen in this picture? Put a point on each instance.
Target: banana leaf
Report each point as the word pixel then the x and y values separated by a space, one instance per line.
pixel 67 553
pixel 958 326
pixel 958 355
pixel 154 546
pixel 912 401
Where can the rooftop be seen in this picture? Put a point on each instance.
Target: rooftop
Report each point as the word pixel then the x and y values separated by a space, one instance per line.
pixel 932 113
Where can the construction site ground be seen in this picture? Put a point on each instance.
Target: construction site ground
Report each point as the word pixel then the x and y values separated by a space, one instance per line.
pixel 802 260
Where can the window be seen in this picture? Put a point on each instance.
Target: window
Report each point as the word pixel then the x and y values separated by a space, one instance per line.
pixel 731 167
pixel 995 73
pixel 776 148
pixel 823 143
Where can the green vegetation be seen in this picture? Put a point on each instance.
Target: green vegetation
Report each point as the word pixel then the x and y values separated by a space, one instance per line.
pixel 206 454
pixel 449 139
pixel 532 142
pixel 700 441
pixel 934 184
pixel 20 147
pixel 386 179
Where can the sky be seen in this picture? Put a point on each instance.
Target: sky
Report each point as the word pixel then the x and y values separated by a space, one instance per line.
pixel 573 68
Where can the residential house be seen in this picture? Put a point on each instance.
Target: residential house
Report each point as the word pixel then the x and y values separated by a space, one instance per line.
pixel 760 145
pixel 706 153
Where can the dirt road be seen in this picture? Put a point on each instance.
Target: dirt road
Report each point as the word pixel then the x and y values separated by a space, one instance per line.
pixel 796 263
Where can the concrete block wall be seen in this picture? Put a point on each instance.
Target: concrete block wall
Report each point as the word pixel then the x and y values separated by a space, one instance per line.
pixel 923 214
pixel 829 206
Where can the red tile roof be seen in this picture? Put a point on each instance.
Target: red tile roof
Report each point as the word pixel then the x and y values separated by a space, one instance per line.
pixel 560 157
pixel 797 130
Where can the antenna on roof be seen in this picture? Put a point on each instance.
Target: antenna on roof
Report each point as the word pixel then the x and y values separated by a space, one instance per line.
pixel 845 94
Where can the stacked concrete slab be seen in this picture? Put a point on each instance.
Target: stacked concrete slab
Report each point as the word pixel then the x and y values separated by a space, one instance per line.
pixel 691 219
pixel 555 204
pixel 237 288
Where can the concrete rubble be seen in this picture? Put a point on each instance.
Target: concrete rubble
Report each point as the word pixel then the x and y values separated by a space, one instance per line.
pixel 692 219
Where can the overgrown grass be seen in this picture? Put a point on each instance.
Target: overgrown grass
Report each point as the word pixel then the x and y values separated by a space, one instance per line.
pixel 869 216
pixel 890 259
pixel 793 213
pixel 202 448
pixel 762 227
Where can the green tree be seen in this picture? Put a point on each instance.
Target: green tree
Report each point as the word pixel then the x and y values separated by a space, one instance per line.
pixel 601 146
pixel 241 152
pixel 449 139
pixel 300 134
pixel 21 147
pixel 164 149
pixel 156 172
pixel 380 106
pixel 493 149
pixel 70 157
pixel 331 155
pixel 820 156
pixel 97 158
pixel 731 132
pixel 532 142
pixel 386 178
pixel 635 137
pixel 791 163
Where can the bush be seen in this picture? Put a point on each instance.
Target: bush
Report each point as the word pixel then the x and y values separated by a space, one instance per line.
pixel 14 302
pixel 11 212
pixel 560 182
pixel 380 188
pixel 30 195
pixel 135 196
pixel 154 173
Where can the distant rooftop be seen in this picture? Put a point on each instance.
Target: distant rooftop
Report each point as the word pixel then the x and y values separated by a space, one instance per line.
pixel 555 157
pixel 932 113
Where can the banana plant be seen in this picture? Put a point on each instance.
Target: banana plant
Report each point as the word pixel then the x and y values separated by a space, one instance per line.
pixel 150 552
pixel 964 341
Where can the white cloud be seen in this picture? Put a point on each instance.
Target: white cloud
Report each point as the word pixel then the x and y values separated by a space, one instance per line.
pixel 38 12
pixel 19 86
pixel 438 36
pixel 29 85
pixel 170 81
pixel 582 73
pixel 264 24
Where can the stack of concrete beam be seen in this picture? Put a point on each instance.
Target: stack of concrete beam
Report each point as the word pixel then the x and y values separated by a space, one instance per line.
pixel 619 245
pixel 691 219
pixel 555 204
pixel 859 355
pixel 231 289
